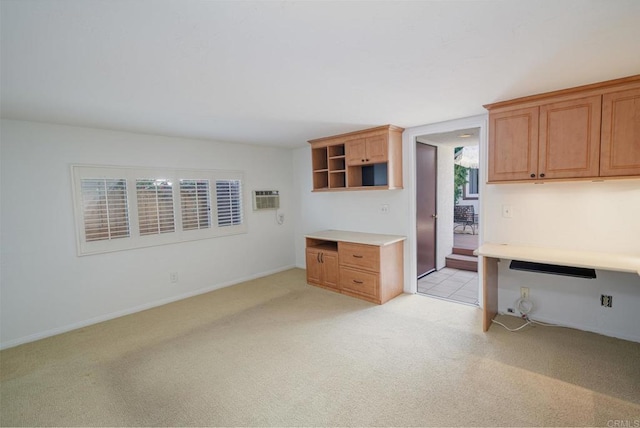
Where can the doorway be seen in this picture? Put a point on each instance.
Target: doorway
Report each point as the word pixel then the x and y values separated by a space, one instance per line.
pixel 447 214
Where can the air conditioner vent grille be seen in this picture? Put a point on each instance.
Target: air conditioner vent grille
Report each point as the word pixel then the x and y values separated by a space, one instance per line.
pixel 266 200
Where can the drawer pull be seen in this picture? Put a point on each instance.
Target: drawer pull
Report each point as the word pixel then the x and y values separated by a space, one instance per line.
pixel 357 282
pixel 357 257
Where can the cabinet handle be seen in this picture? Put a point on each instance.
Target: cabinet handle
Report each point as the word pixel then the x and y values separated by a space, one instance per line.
pixel 318 257
pixel 542 175
pixel 357 257
pixel 533 175
pixel 357 282
pixel 362 160
pixel 321 257
pixel 367 160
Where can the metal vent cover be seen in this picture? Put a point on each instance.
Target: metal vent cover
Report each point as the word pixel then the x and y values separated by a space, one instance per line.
pixel 266 200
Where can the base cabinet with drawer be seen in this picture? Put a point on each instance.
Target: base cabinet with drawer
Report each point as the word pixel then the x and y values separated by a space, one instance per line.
pixel 368 266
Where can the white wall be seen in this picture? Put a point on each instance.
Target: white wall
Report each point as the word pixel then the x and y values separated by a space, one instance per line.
pixel 590 216
pixel 355 211
pixel 46 288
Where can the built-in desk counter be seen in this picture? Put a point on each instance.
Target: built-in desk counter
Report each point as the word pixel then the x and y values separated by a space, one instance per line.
pixel 368 266
pixel 492 253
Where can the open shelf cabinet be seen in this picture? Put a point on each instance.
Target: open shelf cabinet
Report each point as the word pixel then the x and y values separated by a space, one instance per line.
pixel 362 160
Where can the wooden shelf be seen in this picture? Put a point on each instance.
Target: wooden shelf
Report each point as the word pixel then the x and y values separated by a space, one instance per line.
pixel 378 164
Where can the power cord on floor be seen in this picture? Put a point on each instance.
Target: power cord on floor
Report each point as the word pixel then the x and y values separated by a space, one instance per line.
pixel 525 306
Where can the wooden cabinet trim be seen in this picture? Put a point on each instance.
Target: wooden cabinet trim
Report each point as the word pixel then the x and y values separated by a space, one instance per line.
pixel 568 94
pixel 343 138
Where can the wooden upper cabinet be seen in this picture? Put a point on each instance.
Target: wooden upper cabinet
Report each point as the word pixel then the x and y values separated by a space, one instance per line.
pixel 377 149
pixel 620 134
pixel 356 151
pixel 367 159
pixel 366 151
pixel 513 145
pixel 592 131
pixel 569 139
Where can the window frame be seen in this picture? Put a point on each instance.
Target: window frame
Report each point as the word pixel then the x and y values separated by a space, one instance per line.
pixel 135 239
pixel 466 194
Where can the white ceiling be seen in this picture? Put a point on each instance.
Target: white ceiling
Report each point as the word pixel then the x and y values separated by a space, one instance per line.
pixel 458 138
pixel 282 72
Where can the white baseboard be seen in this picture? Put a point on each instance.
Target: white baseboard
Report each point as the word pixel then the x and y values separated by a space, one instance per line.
pixel 631 338
pixel 129 311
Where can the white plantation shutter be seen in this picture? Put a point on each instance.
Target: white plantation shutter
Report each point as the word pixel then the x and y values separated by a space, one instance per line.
pixel 155 206
pixel 104 208
pixel 229 202
pixel 117 210
pixel 196 204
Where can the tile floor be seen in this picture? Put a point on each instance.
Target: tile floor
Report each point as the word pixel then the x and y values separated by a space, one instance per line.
pixel 451 284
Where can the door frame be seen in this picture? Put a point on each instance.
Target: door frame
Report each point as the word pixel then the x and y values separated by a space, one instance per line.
pixel 409 139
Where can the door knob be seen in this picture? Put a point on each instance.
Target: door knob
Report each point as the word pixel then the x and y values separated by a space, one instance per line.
pixel 434 215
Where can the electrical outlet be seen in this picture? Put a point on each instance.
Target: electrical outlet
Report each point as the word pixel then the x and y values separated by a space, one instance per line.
pixel 524 292
pixel 507 211
pixel 384 209
pixel 173 277
pixel 606 301
pixel 280 218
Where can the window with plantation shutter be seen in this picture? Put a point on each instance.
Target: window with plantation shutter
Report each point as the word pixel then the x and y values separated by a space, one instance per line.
pixel 196 205
pixel 229 202
pixel 105 210
pixel 116 209
pixel 155 206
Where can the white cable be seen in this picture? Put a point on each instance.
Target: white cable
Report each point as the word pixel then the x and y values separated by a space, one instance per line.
pixel 278 218
pixel 524 306
pixel 544 324
pixel 512 329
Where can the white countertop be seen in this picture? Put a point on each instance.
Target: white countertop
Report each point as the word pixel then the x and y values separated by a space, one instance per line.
pixel 357 237
pixel 585 259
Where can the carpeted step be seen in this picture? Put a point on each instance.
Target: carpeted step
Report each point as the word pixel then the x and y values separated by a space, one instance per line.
pixel 462 262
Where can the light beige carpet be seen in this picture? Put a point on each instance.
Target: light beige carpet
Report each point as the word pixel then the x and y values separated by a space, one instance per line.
pixel 278 352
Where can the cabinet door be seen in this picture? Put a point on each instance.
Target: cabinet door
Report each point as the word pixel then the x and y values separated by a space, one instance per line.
pixel 355 152
pixel 620 148
pixel 330 269
pixel 377 149
pixel 513 145
pixel 314 267
pixel 569 144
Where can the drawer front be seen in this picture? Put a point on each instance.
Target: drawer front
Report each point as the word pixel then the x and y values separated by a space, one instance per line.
pixel 359 256
pixel 359 282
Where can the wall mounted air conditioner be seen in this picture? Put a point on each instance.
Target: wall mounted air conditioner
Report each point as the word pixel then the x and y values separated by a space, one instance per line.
pixel 266 200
